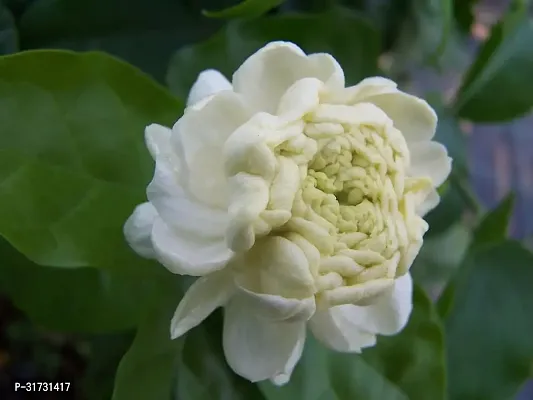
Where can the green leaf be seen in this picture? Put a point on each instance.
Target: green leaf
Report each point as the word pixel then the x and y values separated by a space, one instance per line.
pixel 322 374
pixel 73 163
pixel 246 9
pixel 409 365
pixel 144 33
pixel 488 329
pixel 498 85
pixel 82 300
pixel 8 32
pixel 424 35
pixel 492 229
pixel 190 368
pixel 440 257
pixel 494 226
pixel 414 359
pixel 203 372
pixel 348 37
pixel 106 351
pixel 147 370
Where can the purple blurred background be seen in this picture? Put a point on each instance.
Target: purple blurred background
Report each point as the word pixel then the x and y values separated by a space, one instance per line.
pixel 500 157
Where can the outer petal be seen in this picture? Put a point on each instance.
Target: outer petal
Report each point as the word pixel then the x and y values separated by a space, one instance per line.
pixel 430 159
pixel 165 192
pixel 283 378
pixel 265 76
pixel 178 208
pixel 411 115
pixel 408 257
pixel 138 230
pixel 359 93
pixel 157 138
pixel 207 84
pixel 257 348
pixel 300 98
pixel 389 314
pixel 186 254
pixel 202 298
pixel 335 329
pixel 198 138
pixel 277 307
pixel 350 328
pixel 432 200
pixel 277 266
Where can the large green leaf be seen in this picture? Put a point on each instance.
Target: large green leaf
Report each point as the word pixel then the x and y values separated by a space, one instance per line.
pixel 389 16
pixel 144 33
pixel 325 375
pixel 246 9
pixel 440 257
pixel 348 37
pixel 495 224
pixel 8 32
pixel 73 163
pixel 189 368
pixel 414 359
pixel 409 365
pixel 491 229
pixel 147 370
pixel 424 35
pixel 498 85
pixel 106 352
pixel 84 300
pixel 488 328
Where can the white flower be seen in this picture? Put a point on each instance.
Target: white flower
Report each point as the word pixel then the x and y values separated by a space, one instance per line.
pixel 295 200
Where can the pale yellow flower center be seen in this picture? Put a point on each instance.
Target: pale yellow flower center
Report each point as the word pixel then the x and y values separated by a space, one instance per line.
pixel 357 190
pixel 353 212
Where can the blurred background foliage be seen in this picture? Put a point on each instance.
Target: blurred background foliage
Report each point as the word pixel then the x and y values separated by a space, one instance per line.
pixel 472 60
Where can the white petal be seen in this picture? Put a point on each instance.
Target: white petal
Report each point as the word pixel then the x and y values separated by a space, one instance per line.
pixel 359 93
pixel 336 330
pixel 389 314
pixel 249 197
pixel 430 202
pixel 359 114
pixel 157 138
pixel 267 74
pixel 277 307
pixel 187 254
pixel 257 348
pixel 249 148
pixel 178 208
pixel 283 378
pixel 198 138
pixel 325 68
pixel 430 159
pixel 300 98
pixel 411 115
pixel 277 266
pixel 408 256
pixel 207 84
pixel 138 230
pixel 204 296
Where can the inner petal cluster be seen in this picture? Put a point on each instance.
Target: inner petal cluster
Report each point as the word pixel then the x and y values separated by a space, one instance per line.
pixel 334 182
pixel 358 197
